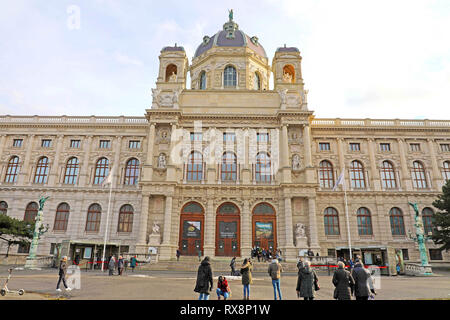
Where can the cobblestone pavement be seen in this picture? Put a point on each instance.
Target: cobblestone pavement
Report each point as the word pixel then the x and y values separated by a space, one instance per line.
pixel 170 285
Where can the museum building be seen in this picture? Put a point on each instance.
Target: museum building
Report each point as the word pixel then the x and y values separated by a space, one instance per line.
pixel 224 166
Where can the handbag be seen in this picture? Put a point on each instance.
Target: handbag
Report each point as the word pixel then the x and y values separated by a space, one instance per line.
pixel 316 286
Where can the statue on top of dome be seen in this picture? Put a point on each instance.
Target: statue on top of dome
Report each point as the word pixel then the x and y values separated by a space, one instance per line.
pixel 230 14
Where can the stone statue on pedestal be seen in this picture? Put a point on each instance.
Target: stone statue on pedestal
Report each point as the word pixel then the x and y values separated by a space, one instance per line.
pixel 300 236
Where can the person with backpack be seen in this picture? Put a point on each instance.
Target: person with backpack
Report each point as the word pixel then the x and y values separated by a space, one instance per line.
pixel 204 282
pixel 133 261
pixel 246 272
pixel 343 282
pixel 274 271
pixel 222 288
pixel 62 274
pixel 308 282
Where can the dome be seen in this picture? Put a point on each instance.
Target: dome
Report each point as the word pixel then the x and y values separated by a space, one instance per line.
pixel 230 36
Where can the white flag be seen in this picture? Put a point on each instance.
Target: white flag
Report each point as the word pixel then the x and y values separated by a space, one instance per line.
pixel 109 178
pixel 339 181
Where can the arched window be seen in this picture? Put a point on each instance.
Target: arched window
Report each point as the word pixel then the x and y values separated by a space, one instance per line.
pixel 131 172
pixel 71 174
pixel 357 175
pixel 262 169
pixel 171 72
pixel 326 176
pixel 93 219
pixel 263 208
pixel 331 222
pixel 364 222
pixel 388 175
pixel 195 166
pixel 427 219
pixel 397 223
pixel 192 208
pixel 31 212
pixel 101 170
pixel 418 176
pixel 229 77
pixel 12 171
pixel 41 171
pixel 62 217
pixel 202 81
pixel 446 170
pixel 229 167
pixel 3 208
pixel 256 82
pixel 125 219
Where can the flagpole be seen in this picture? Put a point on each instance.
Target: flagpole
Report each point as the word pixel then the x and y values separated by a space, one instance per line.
pixel 107 224
pixel 346 216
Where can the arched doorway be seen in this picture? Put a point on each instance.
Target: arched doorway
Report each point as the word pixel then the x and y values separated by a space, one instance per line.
pixel 264 228
pixel 228 226
pixel 191 229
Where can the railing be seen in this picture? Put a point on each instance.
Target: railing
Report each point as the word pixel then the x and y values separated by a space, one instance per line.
pixel 380 123
pixel 73 119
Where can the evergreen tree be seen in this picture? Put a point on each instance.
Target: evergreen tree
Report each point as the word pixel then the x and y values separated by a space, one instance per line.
pixel 441 220
pixel 15 231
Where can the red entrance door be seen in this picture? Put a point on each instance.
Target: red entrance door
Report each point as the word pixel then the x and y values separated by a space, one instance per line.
pixel 191 230
pixel 228 230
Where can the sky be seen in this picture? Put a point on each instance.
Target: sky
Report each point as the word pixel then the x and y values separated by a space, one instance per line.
pixel 361 59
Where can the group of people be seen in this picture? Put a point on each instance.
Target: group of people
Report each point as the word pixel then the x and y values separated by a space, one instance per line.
pixel 357 282
pixel 120 264
pixel 265 255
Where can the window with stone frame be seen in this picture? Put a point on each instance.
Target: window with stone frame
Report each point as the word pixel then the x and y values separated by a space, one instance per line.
pixel 331 222
pixel 71 172
pixel 75 144
pixel 46 143
pixel 324 146
pixel 230 77
pixel 93 218
pixel 385 147
pixel 326 175
pixel 228 167
pixel 263 167
pixel 31 212
pixel 101 170
pixel 125 223
pixel 131 172
pixel 62 217
pixel 134 144
pixel 12 170
pixel 355 147
pixel 419 176
pixel 17 143
pixel 397 222
pixel 194 167
pixel 445 147
pixel 364 219
pixel 357 178
pixel 446 170
pixel 388 179
pixel 105 144
pixel 414 147
pixel 427 220
pixel 3 208
pixel 42 168
pixel 435 254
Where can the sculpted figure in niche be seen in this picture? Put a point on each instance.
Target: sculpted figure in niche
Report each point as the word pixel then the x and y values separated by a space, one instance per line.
pixel 300 230
pixel 173 77
pixel 162 161
pixel 296 162
pixel 155 228
pixel 287 77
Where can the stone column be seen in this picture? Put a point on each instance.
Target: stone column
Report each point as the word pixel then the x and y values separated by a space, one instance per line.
pixel 406 176
pixel 143 224
pixel 285 168
pixel 313 236
pixel 54 171
pixel 166 250
pixel 171 163
pixel 308 157
pixel 209 230
pixel 25 168
pixel 148 165
pixel 290 252
pixel 340 142
pixel 84 172
pixel 438 181
pixel 2 144
pixel 247 168
pixel 116 163
pixel 373 166
pixel 246 230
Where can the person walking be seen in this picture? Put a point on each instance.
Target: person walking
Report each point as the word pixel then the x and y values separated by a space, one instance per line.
pixel 274 271
pixel 246 272
pixel 222 288
pixel 204 279
pixel 112 265
pixel 199 255
pixel 343 282
pixel 308 281
pixel 62 271
pixel 133 261
pixel 120 265
pixel 233 266
pixel 360 275
pixel 178 255
pixel 300 266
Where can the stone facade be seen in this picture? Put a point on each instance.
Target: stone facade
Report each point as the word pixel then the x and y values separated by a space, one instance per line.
pixel 207 146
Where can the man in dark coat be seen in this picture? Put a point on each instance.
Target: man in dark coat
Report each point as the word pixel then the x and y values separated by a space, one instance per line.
pixel 233 266
pixel 300 267
pixel 307 278
pixel 204 282
pixel 360 275
pixel 344 283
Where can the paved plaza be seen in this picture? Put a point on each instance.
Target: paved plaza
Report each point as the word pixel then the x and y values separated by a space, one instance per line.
pixel 176 285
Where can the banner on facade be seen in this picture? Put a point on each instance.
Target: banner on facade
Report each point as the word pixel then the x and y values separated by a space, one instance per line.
pixel 192 229
pixel 264 230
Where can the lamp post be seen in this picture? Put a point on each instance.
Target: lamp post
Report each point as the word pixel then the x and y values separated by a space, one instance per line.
pixel 38 231
pixel 420 238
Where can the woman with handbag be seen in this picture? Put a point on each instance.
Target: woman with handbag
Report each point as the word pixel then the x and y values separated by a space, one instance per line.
pixel 309 282
pixel 344 283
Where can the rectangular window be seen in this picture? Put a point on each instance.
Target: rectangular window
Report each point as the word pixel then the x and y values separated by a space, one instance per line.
pixel 385 147
pixel 46 143
pixel 324 146
pixel 435 254
pixel 405 254
pixel 415 147
pixel 105 144
pixel 331 252
pixel 445 147
pixel 23 248
pixel 231 137
pixel 75 143
pixel 355 147
pixel 262 137
pixel 196 136
pixel 17 143
pixel 134 144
